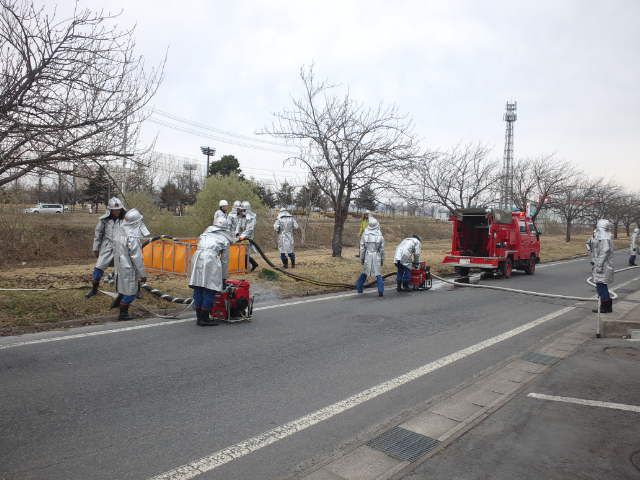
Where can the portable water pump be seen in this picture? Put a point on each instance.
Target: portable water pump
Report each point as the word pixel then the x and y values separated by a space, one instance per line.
pixel 234 303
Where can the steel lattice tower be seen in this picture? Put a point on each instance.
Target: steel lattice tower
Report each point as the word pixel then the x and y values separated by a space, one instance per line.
pixel 506 193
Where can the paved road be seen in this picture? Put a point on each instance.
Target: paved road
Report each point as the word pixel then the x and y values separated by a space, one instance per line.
pixel 136 403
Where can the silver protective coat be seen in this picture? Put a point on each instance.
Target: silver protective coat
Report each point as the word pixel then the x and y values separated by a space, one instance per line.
pixel 128 259
pixel 103 240
pixel 220 216
pixel 408 252
pixel 207 268
pixel 372 248
pixel 602 253
pixel 284 226
pixel 634 247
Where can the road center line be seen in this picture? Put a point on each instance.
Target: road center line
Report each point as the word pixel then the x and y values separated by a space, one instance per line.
pixel 234 452
pixel 588 403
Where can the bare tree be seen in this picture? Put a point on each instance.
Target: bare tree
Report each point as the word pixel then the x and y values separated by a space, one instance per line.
pixel 460 178
pixel 71 90
pixel 574 202
pixel 343 144
pixel 537 181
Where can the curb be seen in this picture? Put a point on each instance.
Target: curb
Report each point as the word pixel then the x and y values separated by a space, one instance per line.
pixel 400 448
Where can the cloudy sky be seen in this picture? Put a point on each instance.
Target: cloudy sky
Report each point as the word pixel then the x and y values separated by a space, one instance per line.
pixel 572 66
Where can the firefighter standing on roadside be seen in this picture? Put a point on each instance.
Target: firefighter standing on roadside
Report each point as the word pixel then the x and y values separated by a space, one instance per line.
pixel 284 226
pixel 103 241
pixel 221 212
pixel 128 261
pixel 407 255
pixel 371 255
pixel 634 248
pixel 602 256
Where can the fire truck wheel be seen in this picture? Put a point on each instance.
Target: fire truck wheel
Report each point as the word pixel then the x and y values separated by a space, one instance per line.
pixel 507 268
pixel 462 271
pixel 530 269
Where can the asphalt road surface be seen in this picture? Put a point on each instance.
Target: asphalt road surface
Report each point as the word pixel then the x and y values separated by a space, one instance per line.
pixel 113 402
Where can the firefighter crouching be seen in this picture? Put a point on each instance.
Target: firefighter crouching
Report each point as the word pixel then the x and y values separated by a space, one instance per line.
pixel 206 277
pixel 103 241
pixel 407 256
pixel 128 261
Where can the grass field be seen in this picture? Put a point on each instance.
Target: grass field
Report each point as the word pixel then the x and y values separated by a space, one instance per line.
pixel 63 304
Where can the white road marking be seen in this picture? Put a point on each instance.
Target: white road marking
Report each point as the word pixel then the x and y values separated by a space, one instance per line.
pixel 588 403
pixel 436 286
pixel 233 452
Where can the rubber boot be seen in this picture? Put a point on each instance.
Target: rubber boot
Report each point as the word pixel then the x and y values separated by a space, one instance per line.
pixel 199 320
pixel 253 263
pixel 380 285
pixel 94 290
pixel 116 301
pixel 285 260
pixel 293 260
pixel 399 286
pixel 609 306
pixel 207 320
pixel 405 286
pixel 124 313
pixel 360 283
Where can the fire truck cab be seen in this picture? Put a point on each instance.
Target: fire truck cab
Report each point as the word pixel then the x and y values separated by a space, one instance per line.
pixel 493 240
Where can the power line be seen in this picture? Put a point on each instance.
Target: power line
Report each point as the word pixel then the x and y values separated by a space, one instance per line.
pixel 217 130
pixel 197 133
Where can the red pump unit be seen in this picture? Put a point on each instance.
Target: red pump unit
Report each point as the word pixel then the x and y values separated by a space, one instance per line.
pixel 235 303
pixel 421 277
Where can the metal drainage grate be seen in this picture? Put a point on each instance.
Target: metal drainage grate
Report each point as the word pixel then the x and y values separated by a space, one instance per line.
pixel 403 444
pixel 540 358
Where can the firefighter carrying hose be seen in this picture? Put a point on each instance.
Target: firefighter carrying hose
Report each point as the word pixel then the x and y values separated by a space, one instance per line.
pixel 602 256
pixel 128 261
pixel 245 228
pixel 103 241
pixel 407 256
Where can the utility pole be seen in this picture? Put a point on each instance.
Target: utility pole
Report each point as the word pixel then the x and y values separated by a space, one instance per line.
pixel 125 139
pixel 209 152
pixel 506 193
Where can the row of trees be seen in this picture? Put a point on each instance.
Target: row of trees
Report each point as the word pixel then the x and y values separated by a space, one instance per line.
pixel 73 92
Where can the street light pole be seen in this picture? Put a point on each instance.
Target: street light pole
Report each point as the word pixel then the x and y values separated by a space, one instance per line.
pixel 209 152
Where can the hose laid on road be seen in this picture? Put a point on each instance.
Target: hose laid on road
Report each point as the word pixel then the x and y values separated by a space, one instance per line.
pixel 307 279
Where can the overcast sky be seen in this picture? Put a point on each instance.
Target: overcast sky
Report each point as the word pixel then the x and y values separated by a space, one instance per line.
pixel 572 66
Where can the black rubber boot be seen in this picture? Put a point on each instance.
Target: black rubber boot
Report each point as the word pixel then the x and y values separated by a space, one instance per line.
pixel 399 286
pixel 124 313
pixel 253 263
pixel 609 306
pixel 207 320
pixel 94 290
pixel 405 286
pixel 199 317
pixel 285 264
pixel 116 301
pixel 606 306
pixel 293 261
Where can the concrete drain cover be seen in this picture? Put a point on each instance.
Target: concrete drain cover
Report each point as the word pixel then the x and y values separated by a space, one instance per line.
pixel 403 444
pixel 540 358
pixel 626 353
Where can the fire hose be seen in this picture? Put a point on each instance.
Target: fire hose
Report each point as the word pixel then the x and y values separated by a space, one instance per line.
pixel 589 281
pixel 186 301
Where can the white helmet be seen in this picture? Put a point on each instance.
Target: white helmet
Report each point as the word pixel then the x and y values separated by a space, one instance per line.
pixel 223 203
pixel 283 209
pixel 133 224
pixel 114 204
pixel 236 204
pixel 245 205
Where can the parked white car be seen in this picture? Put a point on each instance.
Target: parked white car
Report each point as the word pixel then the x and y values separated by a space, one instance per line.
pixel 46 208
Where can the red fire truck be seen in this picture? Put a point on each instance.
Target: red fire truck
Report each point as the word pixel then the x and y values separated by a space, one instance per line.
pixel 494 241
